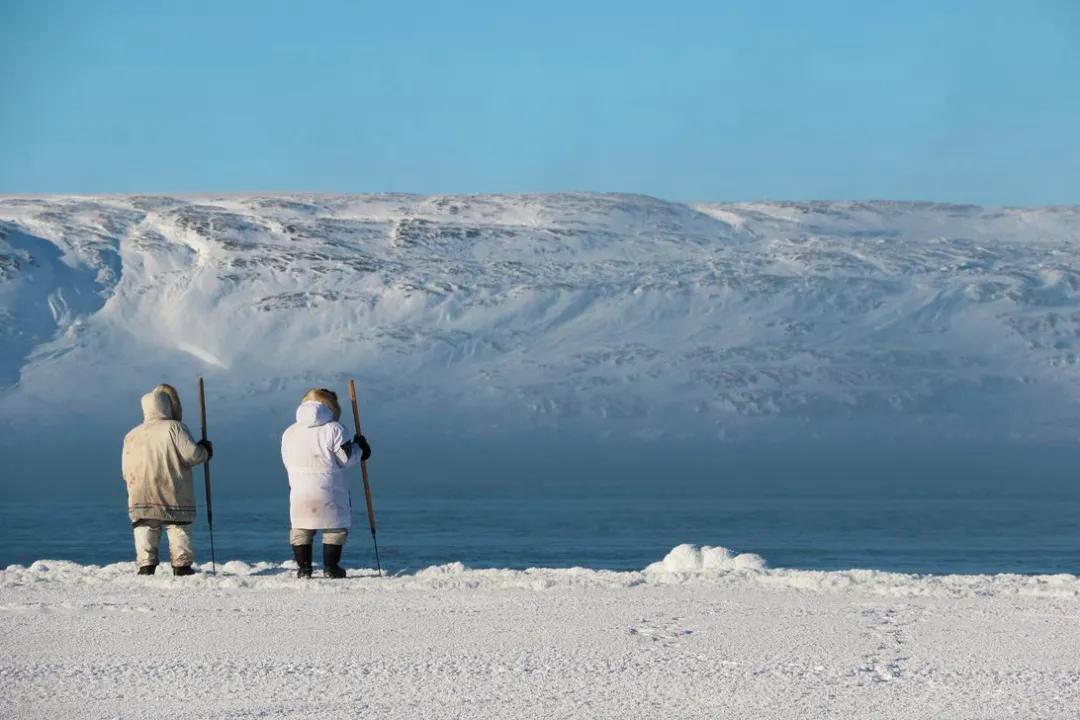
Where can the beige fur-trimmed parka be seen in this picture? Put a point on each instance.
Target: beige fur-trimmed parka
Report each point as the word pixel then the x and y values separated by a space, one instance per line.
pixel 157 460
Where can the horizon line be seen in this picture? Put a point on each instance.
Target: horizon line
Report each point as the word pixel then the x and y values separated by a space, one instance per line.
pixel 546 193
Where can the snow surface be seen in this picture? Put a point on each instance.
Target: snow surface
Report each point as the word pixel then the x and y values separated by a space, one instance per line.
pixel 547 310
pixel 703 633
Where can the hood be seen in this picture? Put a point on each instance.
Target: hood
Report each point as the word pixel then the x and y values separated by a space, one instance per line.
pixel 174 397
pixel 156 406
pixel 326 397
pixel 313 414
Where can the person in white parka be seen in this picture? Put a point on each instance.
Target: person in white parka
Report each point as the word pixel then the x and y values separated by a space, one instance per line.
pixel 316 452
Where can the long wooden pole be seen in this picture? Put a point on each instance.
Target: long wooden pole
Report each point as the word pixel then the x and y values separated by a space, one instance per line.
pixel 206 478
pixel 364 476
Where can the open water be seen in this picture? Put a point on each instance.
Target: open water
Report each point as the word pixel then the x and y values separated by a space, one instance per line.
pixel 919 535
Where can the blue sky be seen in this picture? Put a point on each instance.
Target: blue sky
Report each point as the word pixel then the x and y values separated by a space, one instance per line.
pixel 954 101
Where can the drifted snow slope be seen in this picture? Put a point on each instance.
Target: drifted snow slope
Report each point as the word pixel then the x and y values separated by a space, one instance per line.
pixel 551 310
pixel 703 633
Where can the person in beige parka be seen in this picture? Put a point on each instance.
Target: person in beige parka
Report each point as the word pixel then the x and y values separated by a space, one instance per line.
pixel 157 459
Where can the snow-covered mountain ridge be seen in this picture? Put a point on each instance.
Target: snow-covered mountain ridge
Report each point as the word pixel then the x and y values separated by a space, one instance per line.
pixel 671 319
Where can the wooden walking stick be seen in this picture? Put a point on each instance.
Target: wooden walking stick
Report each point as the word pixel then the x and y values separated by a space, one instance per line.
pixel 364 476
pixel 206 477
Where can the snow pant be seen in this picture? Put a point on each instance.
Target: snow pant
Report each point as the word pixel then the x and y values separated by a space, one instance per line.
pixel 148 537
pixel 330 536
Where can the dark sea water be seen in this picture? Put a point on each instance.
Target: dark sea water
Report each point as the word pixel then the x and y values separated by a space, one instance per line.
pixel 920 535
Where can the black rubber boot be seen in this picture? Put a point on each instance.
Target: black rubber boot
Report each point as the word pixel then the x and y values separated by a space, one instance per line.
pixel 331 557
pixel 302 555
pixel 147 569
pixel 183 570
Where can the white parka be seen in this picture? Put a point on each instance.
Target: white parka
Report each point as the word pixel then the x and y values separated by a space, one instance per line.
pixel 311 449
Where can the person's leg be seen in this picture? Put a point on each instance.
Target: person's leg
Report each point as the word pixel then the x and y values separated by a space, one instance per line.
pixel 332 542
pixel 300 536
pixel 181 552
pixel 301 541
pixel 335 536
pixel 147 537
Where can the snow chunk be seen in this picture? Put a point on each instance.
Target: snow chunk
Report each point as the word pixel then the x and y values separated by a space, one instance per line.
pixel 434 571
pixel 688 558
pixel 236 567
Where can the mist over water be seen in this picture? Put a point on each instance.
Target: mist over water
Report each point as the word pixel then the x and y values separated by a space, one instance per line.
pixel 530 461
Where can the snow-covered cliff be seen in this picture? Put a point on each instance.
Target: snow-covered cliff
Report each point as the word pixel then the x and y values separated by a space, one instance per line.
pixel 549 309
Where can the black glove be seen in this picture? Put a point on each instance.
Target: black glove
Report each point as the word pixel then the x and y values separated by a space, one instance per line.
pixel 208 447
pixel 365 449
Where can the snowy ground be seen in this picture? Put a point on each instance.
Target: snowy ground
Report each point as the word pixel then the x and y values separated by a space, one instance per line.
pixel 700 634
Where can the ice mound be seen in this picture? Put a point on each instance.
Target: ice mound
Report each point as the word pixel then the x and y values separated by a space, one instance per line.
pixel 434 571
pixel 688 558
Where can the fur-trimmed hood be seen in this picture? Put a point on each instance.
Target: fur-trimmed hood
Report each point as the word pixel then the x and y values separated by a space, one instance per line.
pixel 326 397
pixel 313 414
pixel 174 398
pixel 156 405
